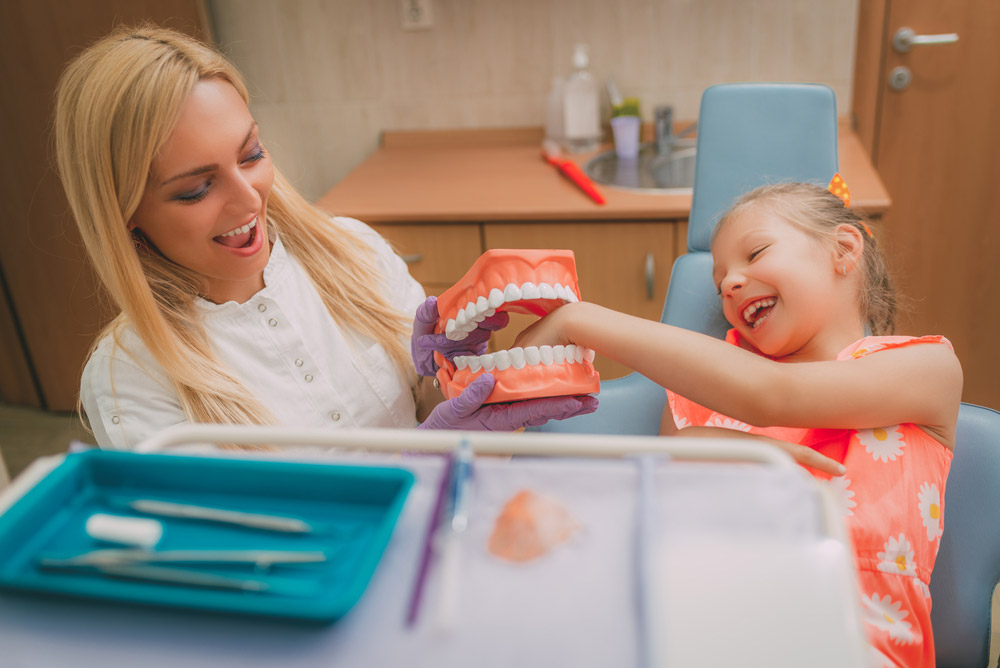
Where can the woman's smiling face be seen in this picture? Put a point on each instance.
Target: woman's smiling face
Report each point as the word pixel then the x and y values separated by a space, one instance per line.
pixel 205 204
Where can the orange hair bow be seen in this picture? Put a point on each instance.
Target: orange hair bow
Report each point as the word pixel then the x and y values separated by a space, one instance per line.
pixel 839 188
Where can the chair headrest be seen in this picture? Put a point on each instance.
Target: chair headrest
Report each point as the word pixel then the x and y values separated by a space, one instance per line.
pixel 752 134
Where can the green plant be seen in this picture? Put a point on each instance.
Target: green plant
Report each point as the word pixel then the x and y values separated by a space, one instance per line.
pixel 628 107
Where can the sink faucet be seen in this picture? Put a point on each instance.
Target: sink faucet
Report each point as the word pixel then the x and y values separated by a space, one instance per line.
pixel 663 117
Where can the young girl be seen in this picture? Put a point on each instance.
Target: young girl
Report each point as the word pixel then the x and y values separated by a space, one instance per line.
pixel 802 284
pixel 239 302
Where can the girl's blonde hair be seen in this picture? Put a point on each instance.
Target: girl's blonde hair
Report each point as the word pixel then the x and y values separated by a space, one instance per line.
pixel 116 105
pixel 819 212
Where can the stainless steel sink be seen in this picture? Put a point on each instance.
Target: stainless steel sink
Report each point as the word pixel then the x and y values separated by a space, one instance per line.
pixel 650 172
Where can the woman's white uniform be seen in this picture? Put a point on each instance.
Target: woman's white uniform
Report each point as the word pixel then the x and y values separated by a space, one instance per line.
pixel 284 347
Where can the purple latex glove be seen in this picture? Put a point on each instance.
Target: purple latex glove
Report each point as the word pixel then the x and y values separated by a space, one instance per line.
pixel 424 341
pixel 466 411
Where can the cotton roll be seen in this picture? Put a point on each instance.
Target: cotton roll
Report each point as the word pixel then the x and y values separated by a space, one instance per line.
pixel 138 531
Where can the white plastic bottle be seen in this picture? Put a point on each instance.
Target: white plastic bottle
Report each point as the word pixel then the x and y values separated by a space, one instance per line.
pixel 554 111
pixel 582 123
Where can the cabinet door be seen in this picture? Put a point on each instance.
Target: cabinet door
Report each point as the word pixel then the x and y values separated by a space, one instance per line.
pixel 623 266
pixel 437 255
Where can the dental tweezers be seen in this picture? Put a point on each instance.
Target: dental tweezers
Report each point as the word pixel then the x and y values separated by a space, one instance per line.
pixel 222 515
pixel 114 557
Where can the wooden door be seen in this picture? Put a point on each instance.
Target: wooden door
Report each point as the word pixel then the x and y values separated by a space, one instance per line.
pixel 50 310
pixel 936 144
pixel 624 266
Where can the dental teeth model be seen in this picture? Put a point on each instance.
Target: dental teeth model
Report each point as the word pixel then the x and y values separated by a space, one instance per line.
pixel 518 281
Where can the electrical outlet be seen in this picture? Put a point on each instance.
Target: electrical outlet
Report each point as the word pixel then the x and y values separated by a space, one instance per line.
pixel 417 14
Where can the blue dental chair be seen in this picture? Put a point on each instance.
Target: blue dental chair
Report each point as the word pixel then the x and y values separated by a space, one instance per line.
pixel 750 135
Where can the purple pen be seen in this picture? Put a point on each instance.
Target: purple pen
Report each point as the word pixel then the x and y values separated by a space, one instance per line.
pixel 427 550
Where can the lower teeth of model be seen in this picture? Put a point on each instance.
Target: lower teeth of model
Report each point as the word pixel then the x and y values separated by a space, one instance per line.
pixel 522 357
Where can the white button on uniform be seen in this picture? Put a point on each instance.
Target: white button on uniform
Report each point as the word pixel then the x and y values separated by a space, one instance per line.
pixel 272 322
pixel 261 307
pixel 309 378
pixel 115 419
pixel 335 416
pixel 299 362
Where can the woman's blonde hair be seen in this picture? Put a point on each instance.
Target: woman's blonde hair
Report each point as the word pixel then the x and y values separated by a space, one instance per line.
pixel 819 212
pixel 116 105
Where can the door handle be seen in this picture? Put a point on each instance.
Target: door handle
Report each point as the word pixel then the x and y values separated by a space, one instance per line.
pixel 650 275
pixel 905 39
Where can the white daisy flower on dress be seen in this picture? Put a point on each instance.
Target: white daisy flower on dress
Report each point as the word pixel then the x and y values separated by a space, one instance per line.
pixel 886 615
pixel 727 423
pixel 882 443
pixel 930 509
pixel 842 496
pixel 898 557
pixel 681 422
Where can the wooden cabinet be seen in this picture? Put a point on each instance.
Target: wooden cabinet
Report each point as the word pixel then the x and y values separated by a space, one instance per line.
pixel 437 255
pixel 621 265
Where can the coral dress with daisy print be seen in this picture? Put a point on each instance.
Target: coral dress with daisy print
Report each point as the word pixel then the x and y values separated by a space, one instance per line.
pixel 892 498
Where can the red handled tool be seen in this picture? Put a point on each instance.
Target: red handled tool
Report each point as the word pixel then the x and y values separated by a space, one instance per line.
pixel 553 155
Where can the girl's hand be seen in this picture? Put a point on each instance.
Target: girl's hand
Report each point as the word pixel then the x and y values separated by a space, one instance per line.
pixel 802 454
pixel 546 331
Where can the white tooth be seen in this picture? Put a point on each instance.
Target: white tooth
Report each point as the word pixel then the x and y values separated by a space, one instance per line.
pixel 489 361
pixel 460 319
pixel 589 354
pixel 482 305
pixel 496 298
pixel 457 335
pixel 562 291
pixel 461 362
pixel 503 359
pixel 470 326
pixel 490 312
pixel 511 293
pixel 475 364
pixel 548 292
pixel 449 329
pixel 578 355
pixel 546 354
pixel 570 354
pixel 532 356
pixel 530 291
pixel 479 318
pixel 517 357
pixel 558 354
pixel 571 296
pixel 470 312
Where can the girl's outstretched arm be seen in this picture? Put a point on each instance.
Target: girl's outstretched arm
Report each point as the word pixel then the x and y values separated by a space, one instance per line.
pixel 921 384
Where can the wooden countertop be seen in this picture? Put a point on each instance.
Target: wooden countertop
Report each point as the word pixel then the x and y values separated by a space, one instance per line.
pixel 497 175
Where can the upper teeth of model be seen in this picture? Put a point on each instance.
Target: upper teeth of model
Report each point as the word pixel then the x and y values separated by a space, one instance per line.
pixel 521 357
pixel 756 306
pixel 468 318
pixel 241 230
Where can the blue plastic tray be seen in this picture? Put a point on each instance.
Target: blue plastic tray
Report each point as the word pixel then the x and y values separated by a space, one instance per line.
pixel 353 509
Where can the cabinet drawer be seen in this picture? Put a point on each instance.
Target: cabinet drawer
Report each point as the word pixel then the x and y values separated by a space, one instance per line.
pixel 437 255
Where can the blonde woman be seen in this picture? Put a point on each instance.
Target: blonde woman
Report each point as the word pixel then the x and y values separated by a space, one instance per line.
pixel 238 301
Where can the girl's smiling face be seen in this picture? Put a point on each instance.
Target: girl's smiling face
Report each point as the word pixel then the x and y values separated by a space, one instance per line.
pixel 205 204
pixel 778 284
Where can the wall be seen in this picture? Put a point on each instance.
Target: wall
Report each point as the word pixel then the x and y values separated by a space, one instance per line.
pixel 327 76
